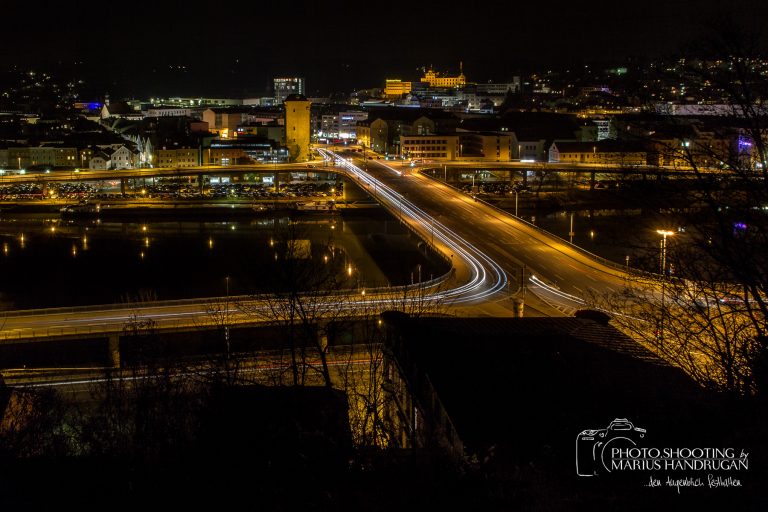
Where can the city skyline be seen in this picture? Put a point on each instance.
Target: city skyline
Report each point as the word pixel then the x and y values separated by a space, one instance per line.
pixel 163 48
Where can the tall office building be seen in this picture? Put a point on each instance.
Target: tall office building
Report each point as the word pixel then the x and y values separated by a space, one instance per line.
pixel 284 87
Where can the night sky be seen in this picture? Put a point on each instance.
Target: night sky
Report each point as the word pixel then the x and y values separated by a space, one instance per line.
pixel 235 48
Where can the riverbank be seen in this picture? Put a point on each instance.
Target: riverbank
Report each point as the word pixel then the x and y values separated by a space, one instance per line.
pixel 154 208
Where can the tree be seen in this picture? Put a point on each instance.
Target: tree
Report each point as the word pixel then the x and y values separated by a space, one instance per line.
pixel 707 310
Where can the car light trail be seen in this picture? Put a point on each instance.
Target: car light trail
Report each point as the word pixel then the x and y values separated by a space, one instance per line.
pixel 487 277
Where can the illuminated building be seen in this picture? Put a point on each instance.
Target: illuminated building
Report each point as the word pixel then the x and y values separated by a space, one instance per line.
pixel 225 121
pixel 434 79
pixel 431 147
pixel 297 127
pixel 384 127
pixel 168 111
pixel 197 102
pixel 243 150
pixel 285 87
pixel 395 88
pixel 486 147
pixel 342 125
pixel 494 147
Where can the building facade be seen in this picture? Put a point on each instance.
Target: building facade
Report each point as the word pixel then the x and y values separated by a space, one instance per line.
pixel 285 87
pixel 25 157
pixel 394 88
pixel 435 79
pixel 297 127
pixel 603 152
pixel 430 147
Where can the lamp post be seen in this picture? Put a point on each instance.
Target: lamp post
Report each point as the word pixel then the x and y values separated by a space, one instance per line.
pixel 516 205
pixel 432 228
pixel 226 317
pixel 663 256
pixel 570 233
pixel 664 234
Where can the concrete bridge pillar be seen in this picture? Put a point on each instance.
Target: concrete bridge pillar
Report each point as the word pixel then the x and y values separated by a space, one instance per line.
pixel 122 186
pixel 592 180
pixel 201 183
pixel 113 345
pixel 518 307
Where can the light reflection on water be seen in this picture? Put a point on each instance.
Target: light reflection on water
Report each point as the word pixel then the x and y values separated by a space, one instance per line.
pixel 612 233
pixel 50 262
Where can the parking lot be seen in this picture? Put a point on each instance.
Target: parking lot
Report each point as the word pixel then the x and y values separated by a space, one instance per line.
pixel 173 191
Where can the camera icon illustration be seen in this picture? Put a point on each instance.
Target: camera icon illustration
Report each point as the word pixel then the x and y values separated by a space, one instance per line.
pixel 593 446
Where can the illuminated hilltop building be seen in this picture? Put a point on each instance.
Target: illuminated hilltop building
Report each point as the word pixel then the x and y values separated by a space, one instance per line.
pixel 297 127
pixel 434 79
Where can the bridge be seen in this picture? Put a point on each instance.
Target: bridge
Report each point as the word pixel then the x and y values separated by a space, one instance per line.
pixel 497 260
pixel 450 168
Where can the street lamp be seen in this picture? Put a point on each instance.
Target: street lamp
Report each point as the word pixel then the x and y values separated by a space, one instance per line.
pixel 432 228
pixel 226 317
pixel 515 190
pixel 664 234
pixel 663 262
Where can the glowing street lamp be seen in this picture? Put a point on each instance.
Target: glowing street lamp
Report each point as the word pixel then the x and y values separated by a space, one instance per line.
pixel 664 234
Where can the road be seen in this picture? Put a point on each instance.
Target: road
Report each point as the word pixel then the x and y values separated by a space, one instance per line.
pixel 558 274
pixel 488 249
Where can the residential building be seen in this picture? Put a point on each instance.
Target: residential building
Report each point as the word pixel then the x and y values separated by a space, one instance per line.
pixel 120 109
pixel 493 147
pixel 99 161
pixel 602 152
pixel 225 121
pixel 430 147
pixel 382 130
pixel 177 157
pixel 121 157
pixel 53 156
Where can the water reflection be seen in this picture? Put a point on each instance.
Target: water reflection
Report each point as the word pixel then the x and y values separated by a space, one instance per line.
pixel 67 262
pixel 621 235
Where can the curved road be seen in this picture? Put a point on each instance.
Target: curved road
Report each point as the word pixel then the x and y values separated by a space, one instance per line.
pixel 488 250
pixel 558 274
